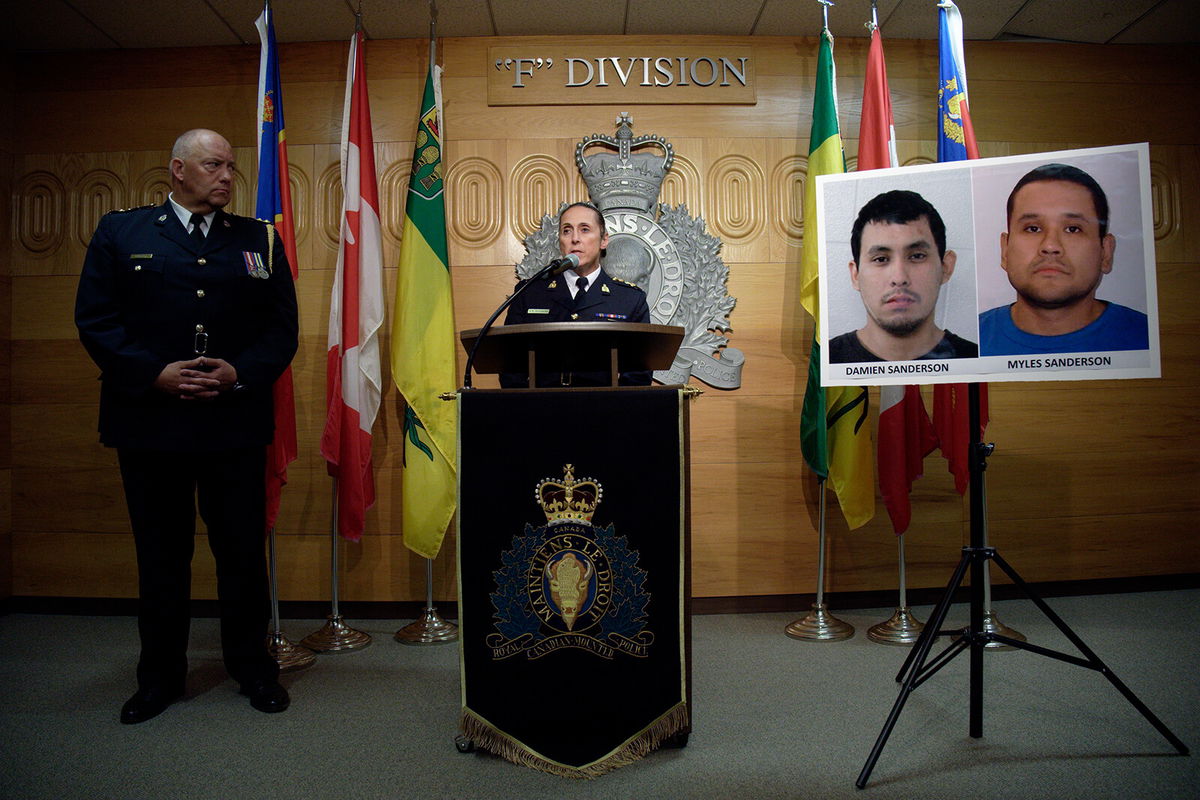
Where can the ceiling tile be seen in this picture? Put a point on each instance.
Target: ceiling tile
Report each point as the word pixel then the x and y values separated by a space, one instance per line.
pixel 918 19
pixel 159 23
pixel 689 17
pixel 804 18
pixel 1174 21
pixel 568 18
pixel 409 19
pixel 50 25
pixel 100 24
pixel 1077 20
pixel 295 20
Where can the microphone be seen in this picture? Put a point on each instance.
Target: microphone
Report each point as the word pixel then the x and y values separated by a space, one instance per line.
pixel 560 265
pixel 556 267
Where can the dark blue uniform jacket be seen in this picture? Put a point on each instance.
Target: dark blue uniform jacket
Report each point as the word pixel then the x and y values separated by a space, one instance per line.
pixel 549 300
pixel 149 295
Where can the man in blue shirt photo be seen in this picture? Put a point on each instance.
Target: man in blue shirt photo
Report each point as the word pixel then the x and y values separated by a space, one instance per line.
pixel 1056 251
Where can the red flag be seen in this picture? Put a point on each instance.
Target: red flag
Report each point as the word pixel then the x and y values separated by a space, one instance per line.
pixel 353 376
pixel 274 203
pixel 956 142
pixel 905 437
pixel 905 432
pixel 876 132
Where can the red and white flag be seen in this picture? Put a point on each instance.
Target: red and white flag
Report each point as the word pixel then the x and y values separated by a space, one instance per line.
pixel 353 376
pixel 905 433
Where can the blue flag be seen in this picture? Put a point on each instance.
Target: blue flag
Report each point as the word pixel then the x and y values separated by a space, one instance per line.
pixel 956 135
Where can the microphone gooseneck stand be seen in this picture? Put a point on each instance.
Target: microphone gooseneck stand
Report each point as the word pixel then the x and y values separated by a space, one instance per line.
pixel 556 266
pixel 976 635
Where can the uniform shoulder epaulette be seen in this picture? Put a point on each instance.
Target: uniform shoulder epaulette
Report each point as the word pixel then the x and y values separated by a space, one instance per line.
pixel 127 210
pixel 624 282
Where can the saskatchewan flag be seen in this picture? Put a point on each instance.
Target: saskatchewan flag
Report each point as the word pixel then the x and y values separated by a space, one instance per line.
pixel 423 363
pixel 835 434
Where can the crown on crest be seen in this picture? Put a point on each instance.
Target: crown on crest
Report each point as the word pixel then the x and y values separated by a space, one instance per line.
pixel 568 500
pixel 624 179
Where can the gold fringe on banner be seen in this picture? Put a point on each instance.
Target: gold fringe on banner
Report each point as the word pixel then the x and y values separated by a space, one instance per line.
pixel 487 737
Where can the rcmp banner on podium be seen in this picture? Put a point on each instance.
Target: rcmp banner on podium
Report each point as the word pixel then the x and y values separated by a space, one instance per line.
pixel 571 576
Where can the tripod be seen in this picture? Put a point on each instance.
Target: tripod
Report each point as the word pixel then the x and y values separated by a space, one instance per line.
pixel 916 671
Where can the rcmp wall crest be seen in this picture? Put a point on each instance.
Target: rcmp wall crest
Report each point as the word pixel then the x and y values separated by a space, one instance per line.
pixel 569 583
pixel 663 250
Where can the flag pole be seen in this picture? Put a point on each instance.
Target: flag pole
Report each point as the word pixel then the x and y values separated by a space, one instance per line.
pixel 819 625
pixel 430 627
pixel 335 636
pixel 273 203
pixel 992 624
pixel 287 655
pixel 902 628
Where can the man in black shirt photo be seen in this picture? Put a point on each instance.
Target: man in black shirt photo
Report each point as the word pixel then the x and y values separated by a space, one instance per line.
pixel 900 263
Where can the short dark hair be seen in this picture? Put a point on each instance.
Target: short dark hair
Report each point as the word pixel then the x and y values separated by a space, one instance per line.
pixel 1070 174
pixel 898 207
pixel 581 204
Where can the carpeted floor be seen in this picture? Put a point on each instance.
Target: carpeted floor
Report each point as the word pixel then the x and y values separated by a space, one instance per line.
pixel 772 717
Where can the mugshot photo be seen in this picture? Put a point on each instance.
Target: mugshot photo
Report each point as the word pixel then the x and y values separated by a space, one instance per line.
pixel 900 265
pixel 1062 259
pixel 1031 267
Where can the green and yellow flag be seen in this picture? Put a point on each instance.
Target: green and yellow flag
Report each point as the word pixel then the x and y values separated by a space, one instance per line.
pixel 835 434
pixel 423 365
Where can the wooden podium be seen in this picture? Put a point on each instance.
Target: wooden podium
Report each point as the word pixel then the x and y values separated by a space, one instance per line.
pixel 612 347
pixel 574 551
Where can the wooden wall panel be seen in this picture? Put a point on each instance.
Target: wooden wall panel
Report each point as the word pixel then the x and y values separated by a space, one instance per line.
pixel 7 127
pixel 1089 480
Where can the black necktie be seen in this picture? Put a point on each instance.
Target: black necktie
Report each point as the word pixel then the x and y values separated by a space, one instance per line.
pixel 197 234
pixel 581 291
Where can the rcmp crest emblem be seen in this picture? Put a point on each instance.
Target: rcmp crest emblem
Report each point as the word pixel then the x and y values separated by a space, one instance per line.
pixel 569 583
pixel 662 250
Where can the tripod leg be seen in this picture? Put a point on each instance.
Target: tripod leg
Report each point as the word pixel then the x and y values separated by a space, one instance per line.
pixel 877 750
pixel 912 667
pixel 936 619
pixel 1094 660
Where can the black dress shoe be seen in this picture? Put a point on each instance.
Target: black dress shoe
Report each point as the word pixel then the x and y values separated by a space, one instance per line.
pixel 268 697
pixel 148 703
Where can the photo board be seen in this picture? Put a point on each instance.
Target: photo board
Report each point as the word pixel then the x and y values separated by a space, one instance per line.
pixel 1059 291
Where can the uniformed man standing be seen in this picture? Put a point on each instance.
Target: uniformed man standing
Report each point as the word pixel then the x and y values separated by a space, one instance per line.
pixel 586 293
pixel 190 313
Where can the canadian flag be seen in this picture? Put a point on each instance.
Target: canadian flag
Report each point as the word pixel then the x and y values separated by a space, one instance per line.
pixel 905 433
pixel 353 376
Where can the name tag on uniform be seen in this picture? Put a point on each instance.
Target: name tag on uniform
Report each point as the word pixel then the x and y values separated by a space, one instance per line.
pixel 142 255
pixel 254 265
pixel 537 311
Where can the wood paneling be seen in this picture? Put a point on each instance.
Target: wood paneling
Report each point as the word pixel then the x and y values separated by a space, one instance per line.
pixel 1089 480
pixel 7 127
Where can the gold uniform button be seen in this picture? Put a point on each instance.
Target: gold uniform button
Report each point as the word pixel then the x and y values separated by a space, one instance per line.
pixel 201 261
pixel 138 268
pixel 200 293
pixel 199 329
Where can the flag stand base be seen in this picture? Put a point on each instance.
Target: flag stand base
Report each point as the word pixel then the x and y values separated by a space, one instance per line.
pixel 287 655
pixel 902 629
pixel 335 637
pixel 429 629
pixel 974 637
pixel 819 626
pixel 992 625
